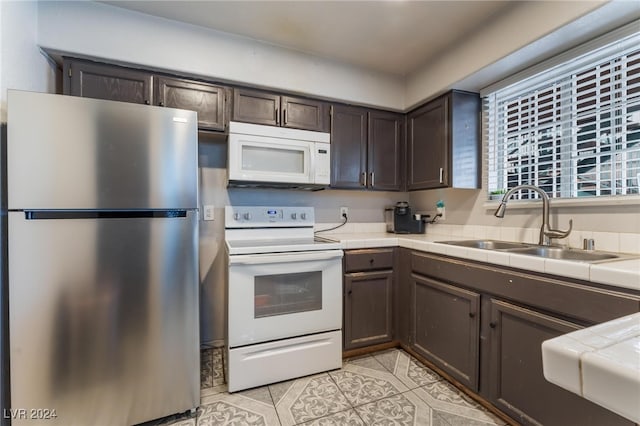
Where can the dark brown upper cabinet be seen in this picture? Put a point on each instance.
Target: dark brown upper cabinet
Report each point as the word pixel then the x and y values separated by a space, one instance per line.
pixel 443 143
pixel 306 114
pixel 385 148
pixel 348 147
pixel 116 83
pixel 366 149
pixel 207 99
pixel 101 81
pixel 254 106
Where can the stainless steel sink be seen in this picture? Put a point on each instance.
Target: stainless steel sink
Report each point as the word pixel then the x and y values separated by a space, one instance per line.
pixel 487 244
pixel 548 252
pixel 566 254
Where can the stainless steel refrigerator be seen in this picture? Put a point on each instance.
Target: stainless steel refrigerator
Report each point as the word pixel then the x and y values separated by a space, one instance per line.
pixel 102 261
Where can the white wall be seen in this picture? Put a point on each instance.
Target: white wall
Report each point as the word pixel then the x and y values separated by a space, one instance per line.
pixel 523 35
pixel 22 65
pixel 104 31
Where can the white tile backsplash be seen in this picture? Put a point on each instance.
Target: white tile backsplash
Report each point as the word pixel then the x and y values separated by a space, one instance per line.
pixel 508 233
pixel 607 241
pixel 480 232
pixel 630 243
pixel 493 232
pixel 604 241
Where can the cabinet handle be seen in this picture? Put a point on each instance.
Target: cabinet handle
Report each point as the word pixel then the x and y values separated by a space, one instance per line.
pixel 492 324
pixel 277 116
pixel 372 179
pixel 441 175
pixel 284 117
pixel 472 314
pixel 363 178
pixel 331 120
pixel 371 261
pixel 349 292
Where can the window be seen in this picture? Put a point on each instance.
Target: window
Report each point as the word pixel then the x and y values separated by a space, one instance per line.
pixel 572 129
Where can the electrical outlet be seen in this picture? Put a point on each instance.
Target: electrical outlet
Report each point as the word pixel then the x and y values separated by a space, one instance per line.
pixel 344 211
pixel 207 212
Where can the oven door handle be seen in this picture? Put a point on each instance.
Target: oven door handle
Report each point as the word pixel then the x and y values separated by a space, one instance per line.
pixel 257 259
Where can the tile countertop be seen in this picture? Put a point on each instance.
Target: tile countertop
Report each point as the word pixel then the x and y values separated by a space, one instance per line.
pixel 620 273
pixel 599 363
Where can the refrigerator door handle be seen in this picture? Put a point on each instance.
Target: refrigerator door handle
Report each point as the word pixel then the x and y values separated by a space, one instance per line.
pixel 97 214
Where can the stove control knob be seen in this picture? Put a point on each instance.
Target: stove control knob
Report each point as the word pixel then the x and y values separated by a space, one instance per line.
pixel 294 216
pixel 247 216
pixel 236 216
pixel 303 216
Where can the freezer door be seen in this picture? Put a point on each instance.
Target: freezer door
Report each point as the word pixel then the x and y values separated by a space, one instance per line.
pixel 66 152
pixel 103 318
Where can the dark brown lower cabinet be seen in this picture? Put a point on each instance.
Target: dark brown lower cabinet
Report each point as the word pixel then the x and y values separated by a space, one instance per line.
pixel 367 308
pixel 517 384
pixel 446 326
pixel 484 325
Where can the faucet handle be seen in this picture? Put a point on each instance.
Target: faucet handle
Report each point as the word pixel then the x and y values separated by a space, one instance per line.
pixel 556 233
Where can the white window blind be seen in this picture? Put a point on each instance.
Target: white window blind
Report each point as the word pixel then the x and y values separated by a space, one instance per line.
pixel 573 130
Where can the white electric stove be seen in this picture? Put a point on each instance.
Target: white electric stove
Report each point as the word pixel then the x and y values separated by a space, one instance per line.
pixel 284 296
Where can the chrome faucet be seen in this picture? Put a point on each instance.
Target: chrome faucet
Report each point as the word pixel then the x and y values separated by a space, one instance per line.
pixel 546 233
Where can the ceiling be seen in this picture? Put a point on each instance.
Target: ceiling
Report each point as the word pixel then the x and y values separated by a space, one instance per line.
pixel 395 37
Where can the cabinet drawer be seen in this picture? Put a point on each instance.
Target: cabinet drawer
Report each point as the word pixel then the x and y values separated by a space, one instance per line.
pixel 368 260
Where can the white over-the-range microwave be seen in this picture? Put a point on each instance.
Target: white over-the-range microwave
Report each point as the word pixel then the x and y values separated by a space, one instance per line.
pixel 270 156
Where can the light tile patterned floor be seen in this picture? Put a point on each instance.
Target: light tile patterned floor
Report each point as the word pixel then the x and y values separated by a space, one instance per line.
pixel 384 388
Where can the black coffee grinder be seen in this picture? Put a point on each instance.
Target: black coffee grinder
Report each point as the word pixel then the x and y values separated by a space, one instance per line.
pixel 400 220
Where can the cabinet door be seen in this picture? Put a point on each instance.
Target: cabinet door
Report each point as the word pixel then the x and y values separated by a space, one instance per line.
pixel 517 383
pixel 367 308
pixel 305 114
pixel 348 147
pixel 257 107
pixel 385 151
pixel 428 146
pixel 206 99
pixel 101 81
pixel 445 329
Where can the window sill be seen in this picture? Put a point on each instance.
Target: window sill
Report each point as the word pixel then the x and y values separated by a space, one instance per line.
pixel 625 200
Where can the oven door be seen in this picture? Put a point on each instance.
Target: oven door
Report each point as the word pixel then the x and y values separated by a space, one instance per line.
pixel 268 159
pixel 281 295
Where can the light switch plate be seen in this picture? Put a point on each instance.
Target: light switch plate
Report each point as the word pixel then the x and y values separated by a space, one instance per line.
pixel 207 212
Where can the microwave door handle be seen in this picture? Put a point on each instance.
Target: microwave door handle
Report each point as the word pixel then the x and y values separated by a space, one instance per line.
pixel 284 257
pixel 312 162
